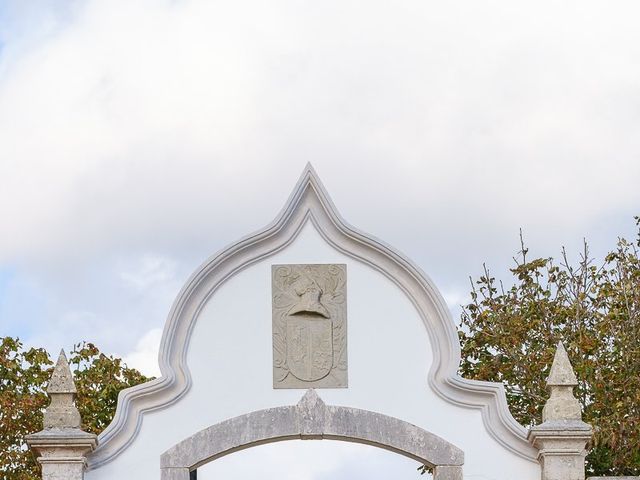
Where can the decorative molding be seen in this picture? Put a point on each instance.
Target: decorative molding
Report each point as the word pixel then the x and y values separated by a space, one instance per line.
pixel 310 419
pixel 309 202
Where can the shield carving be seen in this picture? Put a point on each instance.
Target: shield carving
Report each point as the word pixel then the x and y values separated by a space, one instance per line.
pixel 309 346
pixel 309 315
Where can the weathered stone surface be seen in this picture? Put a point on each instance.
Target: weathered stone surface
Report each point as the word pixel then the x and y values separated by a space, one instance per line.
pixel 562 438
pixel 61 379
pixel 61 412
pixel 309 312
pixel 61 446
pixel 561 373
pixel 311 413
pixel 66 471
pixel 390 433
pixel 312 419
pixel 562 405
pixel 62 452
pixel 447 473
pixel 175 474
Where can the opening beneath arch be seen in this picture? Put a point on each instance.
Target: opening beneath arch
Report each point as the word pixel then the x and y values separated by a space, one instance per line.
pixel 312 460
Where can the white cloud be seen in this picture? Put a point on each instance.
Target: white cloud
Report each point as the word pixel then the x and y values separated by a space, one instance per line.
pixel 113 302
pixel 174 127
pixel 140 119
pixel 145 356
pixel 152 270
pixel 456 299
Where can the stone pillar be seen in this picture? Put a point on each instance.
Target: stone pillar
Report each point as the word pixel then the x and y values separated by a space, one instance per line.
pixel 562 437
pixel 62 446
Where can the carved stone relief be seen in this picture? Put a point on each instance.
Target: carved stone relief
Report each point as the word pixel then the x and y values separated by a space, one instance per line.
pixel 309 308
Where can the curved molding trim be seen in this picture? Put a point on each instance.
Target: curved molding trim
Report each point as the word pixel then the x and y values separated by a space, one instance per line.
pixel 309 202
pixel 311 419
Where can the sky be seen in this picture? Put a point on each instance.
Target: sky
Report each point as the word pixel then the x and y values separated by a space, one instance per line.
pixel 137 138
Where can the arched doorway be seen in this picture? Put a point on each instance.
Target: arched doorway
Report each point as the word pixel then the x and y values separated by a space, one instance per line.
pixel 308 420
pixel 312 460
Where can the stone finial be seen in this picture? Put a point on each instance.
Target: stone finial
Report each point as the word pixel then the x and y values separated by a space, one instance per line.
pixel 62 379
pixel 61 446
pixel 562 405
pixel 563 437
pixel 62 412
pixel 561 373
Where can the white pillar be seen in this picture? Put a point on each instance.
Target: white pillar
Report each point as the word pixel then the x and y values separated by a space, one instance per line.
pixel 562 437
pixel 62 446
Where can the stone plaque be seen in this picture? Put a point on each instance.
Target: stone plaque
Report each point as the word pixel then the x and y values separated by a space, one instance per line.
pixel 309 308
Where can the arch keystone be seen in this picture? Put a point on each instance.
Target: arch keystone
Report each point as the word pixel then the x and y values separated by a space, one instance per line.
pixel 311 414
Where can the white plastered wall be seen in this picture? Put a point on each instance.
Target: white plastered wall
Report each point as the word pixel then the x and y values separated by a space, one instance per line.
pixel 389 356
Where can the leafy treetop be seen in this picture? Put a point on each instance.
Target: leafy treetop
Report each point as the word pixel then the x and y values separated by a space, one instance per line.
pixel 509 335
pixel 24 374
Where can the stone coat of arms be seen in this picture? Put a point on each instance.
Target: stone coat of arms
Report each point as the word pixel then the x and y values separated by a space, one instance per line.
pixel 309 326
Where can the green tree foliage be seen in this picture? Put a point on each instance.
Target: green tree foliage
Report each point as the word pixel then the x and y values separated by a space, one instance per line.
pixel 24 374
pixel 509 335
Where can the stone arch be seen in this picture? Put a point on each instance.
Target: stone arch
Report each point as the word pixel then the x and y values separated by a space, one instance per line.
pixel 312 419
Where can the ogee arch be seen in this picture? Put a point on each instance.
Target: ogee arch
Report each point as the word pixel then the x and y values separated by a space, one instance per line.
pixel 309 202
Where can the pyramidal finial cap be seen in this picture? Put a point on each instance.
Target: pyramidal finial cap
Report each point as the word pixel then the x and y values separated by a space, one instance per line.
pixel 61 379
pixel 561 373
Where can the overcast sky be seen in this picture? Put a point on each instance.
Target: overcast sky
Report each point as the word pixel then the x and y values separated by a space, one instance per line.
pixel 139 137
